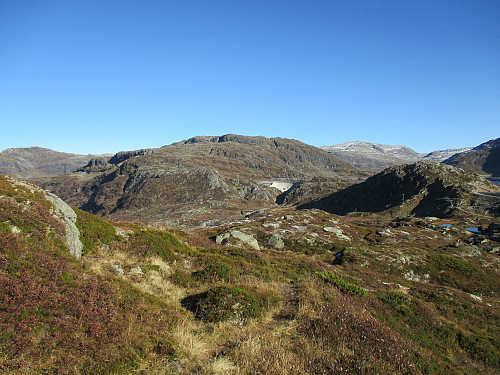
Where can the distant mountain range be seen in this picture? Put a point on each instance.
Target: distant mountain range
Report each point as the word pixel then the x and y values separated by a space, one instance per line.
pixel 214 179
pixel 37 162
pixel 376 157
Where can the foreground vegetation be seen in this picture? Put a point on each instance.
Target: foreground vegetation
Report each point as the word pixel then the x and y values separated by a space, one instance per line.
pixel 148 301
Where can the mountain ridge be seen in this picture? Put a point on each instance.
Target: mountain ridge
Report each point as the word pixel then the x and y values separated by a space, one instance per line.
pixel 38 162
pixel 484 159
pixel 375 157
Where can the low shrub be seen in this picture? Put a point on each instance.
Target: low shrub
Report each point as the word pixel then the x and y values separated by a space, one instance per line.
pixel 396 300
pixel 480 348
pixel 227 303
pixel 216 271
pixel 338 281
pixel 458 264
pixel 156 242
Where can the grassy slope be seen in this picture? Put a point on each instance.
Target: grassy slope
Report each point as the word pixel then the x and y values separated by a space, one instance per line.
pixel 288 312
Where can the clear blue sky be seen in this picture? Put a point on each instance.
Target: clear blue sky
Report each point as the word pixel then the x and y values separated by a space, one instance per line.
pixel 103 76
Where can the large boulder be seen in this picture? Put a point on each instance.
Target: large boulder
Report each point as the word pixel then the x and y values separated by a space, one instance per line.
pixel 68 216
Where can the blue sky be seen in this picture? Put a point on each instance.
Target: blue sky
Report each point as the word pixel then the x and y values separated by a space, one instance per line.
pixel 104 76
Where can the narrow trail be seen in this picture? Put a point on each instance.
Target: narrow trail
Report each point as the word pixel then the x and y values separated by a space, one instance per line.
pixel 289 308
pixel 289 303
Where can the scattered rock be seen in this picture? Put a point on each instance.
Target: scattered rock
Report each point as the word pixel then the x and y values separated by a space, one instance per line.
pixel 412 276
pixel 469 250
pixel 338 232
pixel 276 242
pixel 15 229
pixel 222 238
pixel 136 271
pixel 272 225
pixel 175 365
pixel 247 239
pixel 477 298
pixel 118 269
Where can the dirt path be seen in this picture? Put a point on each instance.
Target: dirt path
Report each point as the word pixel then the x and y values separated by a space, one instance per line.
pixel 289 303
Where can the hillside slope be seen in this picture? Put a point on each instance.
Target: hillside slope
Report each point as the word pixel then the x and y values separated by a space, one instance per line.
pixel 322 293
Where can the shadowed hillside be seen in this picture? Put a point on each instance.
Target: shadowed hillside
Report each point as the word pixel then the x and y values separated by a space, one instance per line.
pixel 422 189
pixel 483 159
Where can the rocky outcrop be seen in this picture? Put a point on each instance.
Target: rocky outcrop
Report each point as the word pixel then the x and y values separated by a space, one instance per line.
pixel 276 242
pixel 421 189
pixel 441 155
pixel 68 216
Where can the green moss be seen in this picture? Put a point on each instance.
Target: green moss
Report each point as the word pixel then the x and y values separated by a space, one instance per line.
pixel 458 264
pixel 5 228
pixel 156 242
pixel 94 231
pixel 345 286
pixel 480 348
pixel 396 300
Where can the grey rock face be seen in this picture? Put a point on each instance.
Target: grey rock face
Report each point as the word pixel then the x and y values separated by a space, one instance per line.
pixel 222 238
pixel 68 217
pixel 245 238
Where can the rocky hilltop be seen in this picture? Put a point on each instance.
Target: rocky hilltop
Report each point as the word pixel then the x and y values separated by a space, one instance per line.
pixel 422 189
pixel 196 180
pixel 483 159
pixel 37 162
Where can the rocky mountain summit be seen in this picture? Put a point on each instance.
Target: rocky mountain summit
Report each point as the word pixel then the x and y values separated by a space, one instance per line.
pixel 376 157
pixel 37 162
pixel 483 159
pixel 196 180
pixel 422 189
